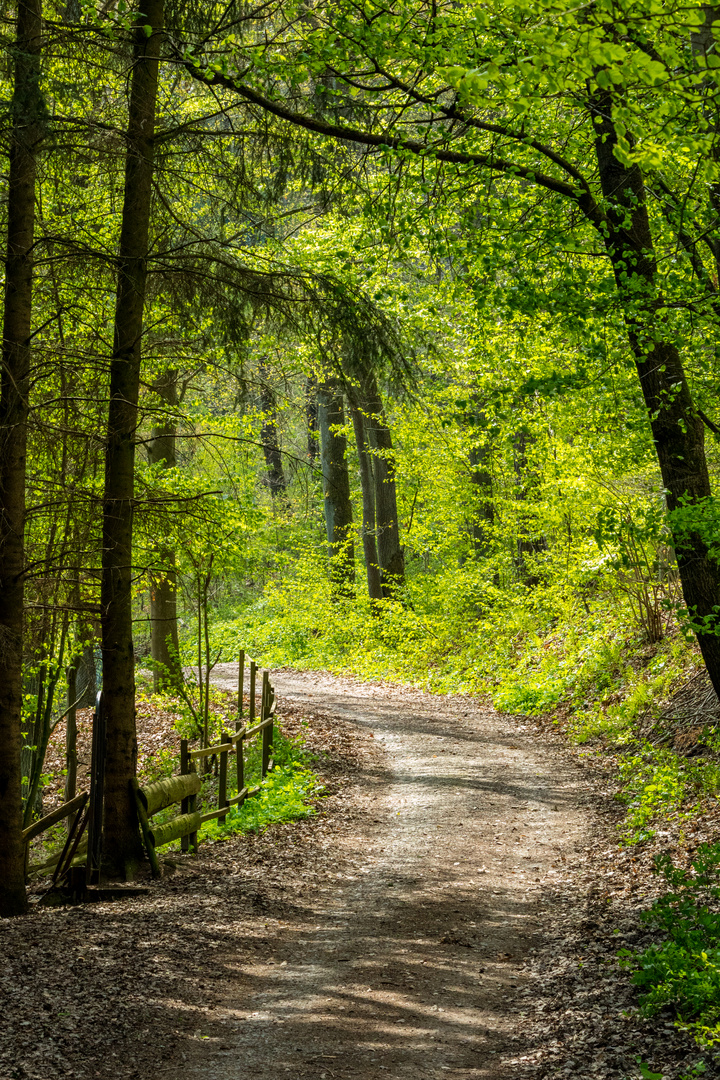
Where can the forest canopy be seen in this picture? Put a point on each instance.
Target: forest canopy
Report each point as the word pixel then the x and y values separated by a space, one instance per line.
pixel 367 336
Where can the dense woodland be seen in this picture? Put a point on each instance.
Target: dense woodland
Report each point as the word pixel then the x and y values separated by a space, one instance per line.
pixel 361 336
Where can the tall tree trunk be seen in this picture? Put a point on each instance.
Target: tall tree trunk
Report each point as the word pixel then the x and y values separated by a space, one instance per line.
pixel 480 460
pixel 71 732
pixel 677 430
pixel 390 552
pixel 275 477
pixel 121 841
pixel 311 418
pixel 372 566
pixel 336 488
pixel 528 542
pixel 164 643
pixel 28 113
pixel 483 510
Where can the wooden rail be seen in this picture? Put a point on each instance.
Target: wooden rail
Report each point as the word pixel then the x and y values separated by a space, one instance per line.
pixel 183 789
pixel 53 818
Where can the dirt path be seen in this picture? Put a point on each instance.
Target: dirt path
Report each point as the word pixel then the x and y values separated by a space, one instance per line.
pixel 409 965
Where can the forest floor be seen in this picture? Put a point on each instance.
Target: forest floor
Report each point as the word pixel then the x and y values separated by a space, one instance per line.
pixel 454 910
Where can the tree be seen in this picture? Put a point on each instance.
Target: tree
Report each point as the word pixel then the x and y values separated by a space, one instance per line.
pixel 164 644
pixel 28 123
pixel 336 486
pixel 121 840
pixel 367 485
pixel 558 104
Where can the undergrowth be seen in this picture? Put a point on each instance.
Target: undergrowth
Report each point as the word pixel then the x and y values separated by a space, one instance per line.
pixel 287 793
pixel 682 970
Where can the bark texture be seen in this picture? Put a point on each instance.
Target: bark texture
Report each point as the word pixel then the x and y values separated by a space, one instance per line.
pixel 390 552
pixel 336 487
pixel 28 113
pixel 121 841
pixel 164 646
pixel 677 430
pixel 372 565
pixel 311 418
pixel 528 543
pixel 275 477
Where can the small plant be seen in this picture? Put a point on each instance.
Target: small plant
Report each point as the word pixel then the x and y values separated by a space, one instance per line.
pixel 683 971
pixel 284 796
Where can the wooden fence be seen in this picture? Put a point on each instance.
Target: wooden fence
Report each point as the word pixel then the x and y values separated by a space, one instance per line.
pixel 182 788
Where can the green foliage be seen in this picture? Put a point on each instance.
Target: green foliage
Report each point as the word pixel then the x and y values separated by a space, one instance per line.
pixel 285 795
pixel 660 783
pixel 683 970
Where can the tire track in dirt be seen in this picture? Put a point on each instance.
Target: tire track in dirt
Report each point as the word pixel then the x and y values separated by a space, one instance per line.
pixel 411 964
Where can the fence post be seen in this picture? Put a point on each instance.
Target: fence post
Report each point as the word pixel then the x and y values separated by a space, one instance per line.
pixel 264 714
pixel 241 688
pixel 222 784
pixel 145 828
pixel 185 804
pixel 188 805
pixel 251 709
pixel 97 794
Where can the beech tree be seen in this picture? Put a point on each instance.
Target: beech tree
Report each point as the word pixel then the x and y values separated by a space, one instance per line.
pixel 554 100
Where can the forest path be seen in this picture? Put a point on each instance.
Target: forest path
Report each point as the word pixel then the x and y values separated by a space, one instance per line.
pixel 409 965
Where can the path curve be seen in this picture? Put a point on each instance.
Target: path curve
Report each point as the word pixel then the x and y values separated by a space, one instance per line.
pixel 411 965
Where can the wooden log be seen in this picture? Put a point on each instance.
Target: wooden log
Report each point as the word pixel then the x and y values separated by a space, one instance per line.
pixel 208 750
pixel 239 798
pixel 54 859
pixel 169 790
pixel 247 793
pixel 60 814
pixel 145 828
pixel 259 727
pixel 182 825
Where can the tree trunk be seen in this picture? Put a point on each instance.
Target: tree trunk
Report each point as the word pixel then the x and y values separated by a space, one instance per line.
pixel 390 553
pixel 480 459
pixel 526 479
pixel 164 643
pixel 28 112
pixel 275 477
pixel 336 488
pixel 122 848
pixel 311 418
pixel 71 733
pixel 677 430
pixel 372 566
pixel 484 511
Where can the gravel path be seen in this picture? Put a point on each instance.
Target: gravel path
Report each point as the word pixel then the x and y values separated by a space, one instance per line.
pixel 410 963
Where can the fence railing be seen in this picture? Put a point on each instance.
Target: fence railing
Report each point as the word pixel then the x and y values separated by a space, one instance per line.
pixel 180 789
pixel 184 788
